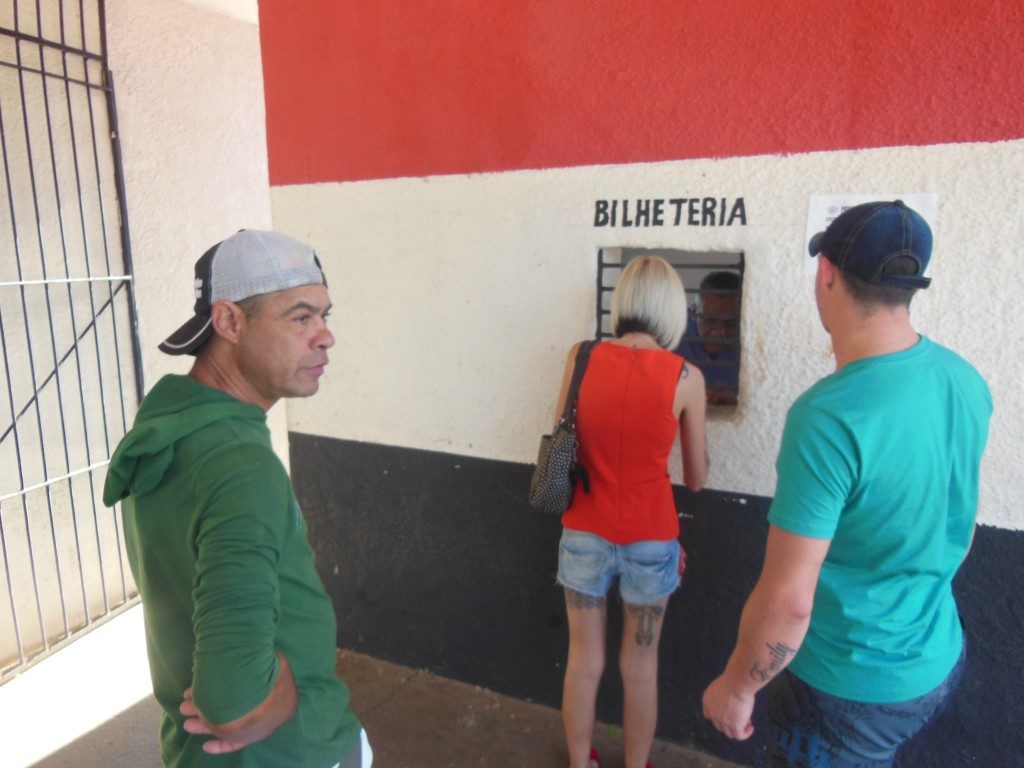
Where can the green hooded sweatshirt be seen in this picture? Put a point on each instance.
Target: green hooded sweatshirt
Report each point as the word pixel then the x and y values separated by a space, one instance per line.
pixel 219 550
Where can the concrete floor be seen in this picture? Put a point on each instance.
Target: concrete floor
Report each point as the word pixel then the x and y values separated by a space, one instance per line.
pixel 414 720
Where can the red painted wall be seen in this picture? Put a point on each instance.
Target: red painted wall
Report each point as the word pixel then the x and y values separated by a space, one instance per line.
pixel 360 90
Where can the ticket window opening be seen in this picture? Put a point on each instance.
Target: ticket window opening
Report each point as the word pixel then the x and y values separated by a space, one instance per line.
pixel 714 293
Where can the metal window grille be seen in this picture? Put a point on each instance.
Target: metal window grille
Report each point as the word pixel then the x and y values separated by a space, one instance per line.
pixel 693 267
pixel 71 372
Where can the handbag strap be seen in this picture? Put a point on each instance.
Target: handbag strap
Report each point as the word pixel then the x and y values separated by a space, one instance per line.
pixel 582 358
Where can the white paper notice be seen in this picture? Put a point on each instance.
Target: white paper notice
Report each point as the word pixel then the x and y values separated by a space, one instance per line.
pixel 823 209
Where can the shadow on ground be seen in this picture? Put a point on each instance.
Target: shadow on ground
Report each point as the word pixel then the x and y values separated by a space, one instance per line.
pixel 415 720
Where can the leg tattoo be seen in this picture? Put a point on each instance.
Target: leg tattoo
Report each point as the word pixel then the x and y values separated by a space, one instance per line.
pixel 574 599
pixel 646 616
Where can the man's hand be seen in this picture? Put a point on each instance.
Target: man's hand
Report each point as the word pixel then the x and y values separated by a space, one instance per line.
pixel 196 725
pixel 273 712
pixel 722 394
pixel 729 710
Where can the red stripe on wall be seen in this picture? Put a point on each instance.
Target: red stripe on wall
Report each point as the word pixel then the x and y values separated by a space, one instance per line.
pixel 361 90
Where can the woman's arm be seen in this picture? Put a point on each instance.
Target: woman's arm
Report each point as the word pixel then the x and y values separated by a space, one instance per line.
pixel 691 405
pixel 570 366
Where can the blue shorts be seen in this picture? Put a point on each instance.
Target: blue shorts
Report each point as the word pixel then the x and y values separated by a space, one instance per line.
pixel 648 571
pixel 812 729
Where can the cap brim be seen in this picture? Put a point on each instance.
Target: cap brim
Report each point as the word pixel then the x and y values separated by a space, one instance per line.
pixel 814 247
pixel 190 337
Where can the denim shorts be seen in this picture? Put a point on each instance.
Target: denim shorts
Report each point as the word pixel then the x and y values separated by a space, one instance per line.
pixel 812 729
pixel 648 571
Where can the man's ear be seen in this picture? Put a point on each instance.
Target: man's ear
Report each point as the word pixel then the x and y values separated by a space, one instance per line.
pixel 228 320
pixel 826 271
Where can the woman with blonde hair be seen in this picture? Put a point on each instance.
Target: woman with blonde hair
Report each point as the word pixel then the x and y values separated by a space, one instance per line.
pixel 634 399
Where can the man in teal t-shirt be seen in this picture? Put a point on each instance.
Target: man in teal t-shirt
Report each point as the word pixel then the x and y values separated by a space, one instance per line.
pixel 853 620
pixel 240 632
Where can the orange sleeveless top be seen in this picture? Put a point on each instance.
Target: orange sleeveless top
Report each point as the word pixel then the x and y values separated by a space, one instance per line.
pixel 626 429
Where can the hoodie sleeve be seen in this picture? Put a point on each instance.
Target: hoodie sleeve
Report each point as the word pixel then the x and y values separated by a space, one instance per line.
pixel 239 533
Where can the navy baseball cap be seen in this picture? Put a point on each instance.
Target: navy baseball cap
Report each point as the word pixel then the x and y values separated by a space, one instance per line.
pixel 864 238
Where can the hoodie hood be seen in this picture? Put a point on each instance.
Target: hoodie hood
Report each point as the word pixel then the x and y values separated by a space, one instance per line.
pixel 175 408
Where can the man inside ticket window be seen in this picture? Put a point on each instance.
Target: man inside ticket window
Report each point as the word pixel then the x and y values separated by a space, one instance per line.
pixel 711 341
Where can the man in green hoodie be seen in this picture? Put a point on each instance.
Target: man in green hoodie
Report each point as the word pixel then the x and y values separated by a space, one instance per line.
pixel 240 632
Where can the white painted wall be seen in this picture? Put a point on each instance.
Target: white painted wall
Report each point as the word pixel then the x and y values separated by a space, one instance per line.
pixel 189 84
pixel 243 10
pixel 457 297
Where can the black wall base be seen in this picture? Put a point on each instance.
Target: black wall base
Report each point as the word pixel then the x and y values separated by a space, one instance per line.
pixel 436 561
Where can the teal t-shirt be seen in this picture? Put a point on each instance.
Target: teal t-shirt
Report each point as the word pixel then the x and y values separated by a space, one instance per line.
pixel 219 550
pixel 882 457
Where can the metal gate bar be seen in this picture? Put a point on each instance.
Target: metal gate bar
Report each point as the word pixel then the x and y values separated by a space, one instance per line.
pixel 64 553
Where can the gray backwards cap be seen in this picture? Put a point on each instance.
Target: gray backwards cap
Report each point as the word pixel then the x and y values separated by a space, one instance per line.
pixel 249 263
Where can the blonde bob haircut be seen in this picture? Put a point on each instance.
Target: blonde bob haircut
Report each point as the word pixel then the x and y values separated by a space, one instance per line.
pixel 650 298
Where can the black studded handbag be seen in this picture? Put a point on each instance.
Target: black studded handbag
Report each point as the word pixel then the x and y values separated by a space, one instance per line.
pixel 557 470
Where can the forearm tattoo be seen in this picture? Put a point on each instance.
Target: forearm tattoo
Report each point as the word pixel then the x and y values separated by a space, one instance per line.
pixel 780 656
pixel 574 599
pixel 646 617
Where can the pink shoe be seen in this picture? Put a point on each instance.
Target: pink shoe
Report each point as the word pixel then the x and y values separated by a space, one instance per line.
pixel 595 759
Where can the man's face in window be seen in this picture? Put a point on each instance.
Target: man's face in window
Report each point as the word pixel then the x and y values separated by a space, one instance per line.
pixel 718 319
